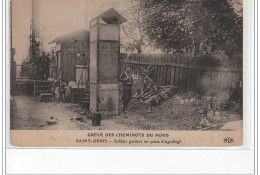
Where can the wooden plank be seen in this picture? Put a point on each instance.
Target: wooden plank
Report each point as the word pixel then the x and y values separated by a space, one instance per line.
pixel 169 75
pixel 201 82
pixel 219 76
pixel 133 68
pixel 207 82
pixel 154 71
pixel 183 60
pixel 160 75
pixel 229 83
pixel 186 78
pixel 182 73
pixel 232 84
pixel 178 72
pixel 178 65
pixel 222 82
pixel 155 74
pixel 233 79
pixel 188 74
pixel 163 72
pixel 200 87
pixel 214 82
pixel 138 66
pixel 172 75
pixel 229 80
pixel 190 86
pixel 172 71
pixel 194 75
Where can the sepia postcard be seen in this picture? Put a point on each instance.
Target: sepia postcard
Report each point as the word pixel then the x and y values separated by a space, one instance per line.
pixel 126 73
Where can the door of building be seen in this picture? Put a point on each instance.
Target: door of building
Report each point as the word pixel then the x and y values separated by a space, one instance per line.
pixel 81 74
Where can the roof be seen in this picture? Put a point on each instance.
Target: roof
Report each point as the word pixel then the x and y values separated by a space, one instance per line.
pixel 111 16
pixel 79 35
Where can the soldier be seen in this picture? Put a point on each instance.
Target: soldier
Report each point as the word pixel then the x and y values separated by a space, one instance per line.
pixel 149 71
pixel 56 91
pixel 127 84
pixel 62 91
pixel 148 89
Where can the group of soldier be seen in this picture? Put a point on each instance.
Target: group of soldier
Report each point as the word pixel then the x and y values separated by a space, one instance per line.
pixel 57 87
pixel 58 90
pixel 127 84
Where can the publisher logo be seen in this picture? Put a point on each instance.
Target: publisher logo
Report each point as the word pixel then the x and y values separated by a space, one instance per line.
pixel 228 140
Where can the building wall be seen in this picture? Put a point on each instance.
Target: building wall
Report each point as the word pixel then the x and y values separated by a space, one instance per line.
pixel 70 58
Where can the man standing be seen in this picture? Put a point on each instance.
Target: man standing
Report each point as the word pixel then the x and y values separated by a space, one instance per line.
pixel 62 91
pixel 127 84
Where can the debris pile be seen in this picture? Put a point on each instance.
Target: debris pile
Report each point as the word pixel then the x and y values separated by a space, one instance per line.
pixel 83 117
pixel 231 106
pixel 180 111
pixel 155 95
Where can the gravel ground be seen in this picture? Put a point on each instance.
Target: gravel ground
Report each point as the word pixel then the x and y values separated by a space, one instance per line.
pixel 27 114
pixel 177 113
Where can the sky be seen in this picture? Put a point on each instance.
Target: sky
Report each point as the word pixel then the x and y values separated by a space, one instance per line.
pixel 56 18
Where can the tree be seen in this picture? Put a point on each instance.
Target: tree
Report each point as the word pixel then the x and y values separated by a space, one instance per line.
pixel 192 26
pixel 133 34
pixel 35 66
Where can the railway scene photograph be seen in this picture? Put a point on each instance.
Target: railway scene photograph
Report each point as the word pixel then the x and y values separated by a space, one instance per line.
pixel 126 65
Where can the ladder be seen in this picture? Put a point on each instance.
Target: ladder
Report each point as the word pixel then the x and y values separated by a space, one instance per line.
pixel 85 100
pixel 85 92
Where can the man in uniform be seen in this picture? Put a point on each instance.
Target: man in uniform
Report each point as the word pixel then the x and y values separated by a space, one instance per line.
pixel 127 84
pixel 149 71
pixel 62 91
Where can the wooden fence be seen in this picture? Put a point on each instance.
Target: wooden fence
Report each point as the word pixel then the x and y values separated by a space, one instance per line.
pixel 205 75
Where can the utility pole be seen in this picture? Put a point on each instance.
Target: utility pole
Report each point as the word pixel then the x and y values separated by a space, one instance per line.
pixel 34 33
